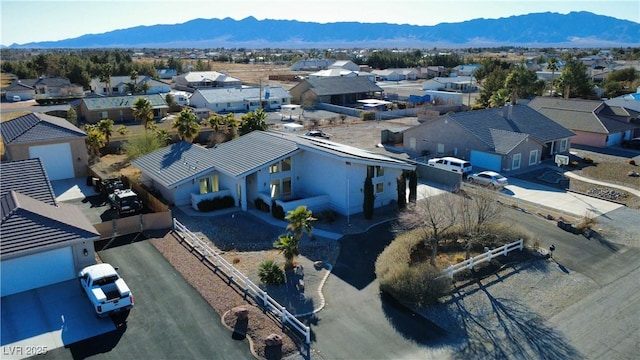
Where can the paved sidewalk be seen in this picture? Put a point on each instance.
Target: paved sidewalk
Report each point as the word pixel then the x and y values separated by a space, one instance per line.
pixel 628 189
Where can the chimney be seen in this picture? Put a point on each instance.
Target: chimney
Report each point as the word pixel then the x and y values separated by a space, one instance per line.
pixel 507 111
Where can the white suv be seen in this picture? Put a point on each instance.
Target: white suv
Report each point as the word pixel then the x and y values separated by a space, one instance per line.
pixel 451 164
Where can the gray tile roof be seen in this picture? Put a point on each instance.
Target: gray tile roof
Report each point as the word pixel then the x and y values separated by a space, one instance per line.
pixel 503 142
pixel 37 127
pixel 582 115
pixel 14 173
pixel 119 102
pixel 29 224
pixel 524 120
pixel 235 94
pixel 239 157
pixel 342 85
pixel 246 153
pixel 176 163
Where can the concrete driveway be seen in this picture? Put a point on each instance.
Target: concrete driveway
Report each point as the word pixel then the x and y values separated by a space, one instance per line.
pixel 41 320
pixel 170 320
pixel 568 202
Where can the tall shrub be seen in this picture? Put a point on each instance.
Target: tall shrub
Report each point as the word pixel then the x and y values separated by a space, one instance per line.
pixel 413 186
pixel 369 198
pixel 402 192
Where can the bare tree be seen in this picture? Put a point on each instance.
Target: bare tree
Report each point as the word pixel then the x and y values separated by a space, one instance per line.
pixel 435 215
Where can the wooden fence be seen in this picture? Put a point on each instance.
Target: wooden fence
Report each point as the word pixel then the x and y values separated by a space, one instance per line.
pixel 241 280
pixel 468 264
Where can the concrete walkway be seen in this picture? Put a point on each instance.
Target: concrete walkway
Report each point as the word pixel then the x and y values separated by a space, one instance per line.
pixel 628 189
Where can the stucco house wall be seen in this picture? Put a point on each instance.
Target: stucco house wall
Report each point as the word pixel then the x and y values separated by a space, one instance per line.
pixel 456 140
pixel 78 151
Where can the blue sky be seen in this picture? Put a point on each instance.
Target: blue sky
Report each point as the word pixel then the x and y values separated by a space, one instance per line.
pixel 24 21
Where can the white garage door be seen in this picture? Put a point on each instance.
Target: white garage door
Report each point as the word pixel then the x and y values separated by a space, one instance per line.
pixel 485 160
pixel 56 158
pixel 37 270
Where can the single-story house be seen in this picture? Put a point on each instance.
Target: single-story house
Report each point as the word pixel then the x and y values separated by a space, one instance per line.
pixel 167 73
pixel 204 79
pixel 43 88
pixel 466 70
pixel 594 122
pixel 285 168
pixel 43 242
pixel 335 90
pixel 311 65
pixel 59 144
pixel 240 99
pixel 514 137
pixel 118 108
pixel 463 84
pixel 395 74
pixel 345 65
pixel 121 85
pixel 335 72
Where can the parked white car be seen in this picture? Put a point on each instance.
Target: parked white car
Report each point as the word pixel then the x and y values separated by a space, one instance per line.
pixel 451 164
pixel 106 290
pixel 489 178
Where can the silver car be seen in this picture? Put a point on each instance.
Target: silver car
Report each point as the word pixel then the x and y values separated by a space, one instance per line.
pixel 489 178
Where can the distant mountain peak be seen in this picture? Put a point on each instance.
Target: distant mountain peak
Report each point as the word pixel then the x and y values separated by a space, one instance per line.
pixel 548 29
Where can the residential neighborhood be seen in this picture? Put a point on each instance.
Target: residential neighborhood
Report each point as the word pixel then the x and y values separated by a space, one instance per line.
pixel 232 185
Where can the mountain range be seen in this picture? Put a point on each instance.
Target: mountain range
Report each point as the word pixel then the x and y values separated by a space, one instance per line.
pixel 575 29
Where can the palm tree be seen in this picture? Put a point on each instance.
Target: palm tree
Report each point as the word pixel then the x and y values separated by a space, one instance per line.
pixel 105 76
pixel 215 121
pixel 300 221
pixel 288 246
pixel 144 87
pixel 106 128
pixel 552 65
pixel 232 124
pixel 95 141
pixel 253 120
pixel 187 125
pixel 143 111
pixel 164 136
pixel 134 81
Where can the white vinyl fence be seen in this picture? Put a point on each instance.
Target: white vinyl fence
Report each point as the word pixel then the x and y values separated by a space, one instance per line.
pixel 468 264
pixel 241 280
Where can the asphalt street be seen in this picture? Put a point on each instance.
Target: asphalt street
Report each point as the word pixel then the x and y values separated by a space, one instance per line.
pixel 358 324
pixel 170 320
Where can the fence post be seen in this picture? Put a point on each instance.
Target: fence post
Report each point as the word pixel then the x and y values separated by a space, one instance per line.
pixel 450 271
pixel 308 335
pixel 504 250
pixel 521 244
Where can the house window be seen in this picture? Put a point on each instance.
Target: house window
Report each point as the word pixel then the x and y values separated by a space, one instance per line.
pixel 563 145
pixel 370 171
pixel 515 163
pixel 286 186
pixel 379 187
pixel 533 157
pixel 114 90
pixel 209 184
pixel 440 148
pixel 275 188
pixel 104 90
pixel 286 164
pixel 274 168
pixel 104 115
pixel 379 171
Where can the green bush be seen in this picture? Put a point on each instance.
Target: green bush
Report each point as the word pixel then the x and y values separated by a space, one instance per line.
pixel 270 273
pixel 277 211
pixel 261 205
pixel 368 115
pixel 408 280
pixel 216 204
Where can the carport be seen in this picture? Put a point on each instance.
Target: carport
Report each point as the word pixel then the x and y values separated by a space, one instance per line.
pixel 48 317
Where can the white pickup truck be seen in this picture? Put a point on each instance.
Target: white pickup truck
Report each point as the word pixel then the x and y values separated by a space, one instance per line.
pixel 105 288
